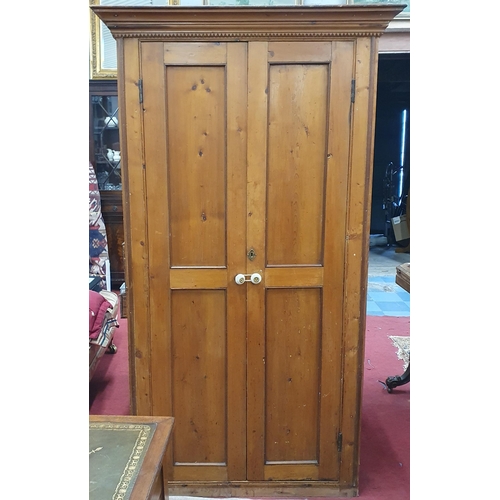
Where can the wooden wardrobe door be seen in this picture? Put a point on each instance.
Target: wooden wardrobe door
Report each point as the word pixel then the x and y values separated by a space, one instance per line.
pixel 194 100
pixel 298 162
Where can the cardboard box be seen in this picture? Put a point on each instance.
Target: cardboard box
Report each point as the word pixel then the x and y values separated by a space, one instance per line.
pixel 400 228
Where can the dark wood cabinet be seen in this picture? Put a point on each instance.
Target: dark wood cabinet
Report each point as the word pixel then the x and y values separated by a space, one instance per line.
pixel 105 156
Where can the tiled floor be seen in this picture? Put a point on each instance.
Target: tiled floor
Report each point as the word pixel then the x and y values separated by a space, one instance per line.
pixel 385 297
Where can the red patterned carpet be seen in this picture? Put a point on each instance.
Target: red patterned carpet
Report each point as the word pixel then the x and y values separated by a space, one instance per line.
pixel 385 420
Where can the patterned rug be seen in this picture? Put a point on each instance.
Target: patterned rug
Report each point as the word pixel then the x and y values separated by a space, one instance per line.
pixel 403 346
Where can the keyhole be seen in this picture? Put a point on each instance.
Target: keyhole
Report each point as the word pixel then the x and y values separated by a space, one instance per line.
pixel 251 254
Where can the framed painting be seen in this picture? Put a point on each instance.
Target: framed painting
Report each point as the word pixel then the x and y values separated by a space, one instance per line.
pixel 103 62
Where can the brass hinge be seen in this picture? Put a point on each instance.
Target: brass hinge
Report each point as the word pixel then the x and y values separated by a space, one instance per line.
pixel 139 84
pixel 353 90
pixel 339 442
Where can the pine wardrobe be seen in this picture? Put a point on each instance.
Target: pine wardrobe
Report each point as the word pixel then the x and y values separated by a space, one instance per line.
pixel 247 141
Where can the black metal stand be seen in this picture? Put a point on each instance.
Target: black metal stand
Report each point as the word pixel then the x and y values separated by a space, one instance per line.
pixel 392 382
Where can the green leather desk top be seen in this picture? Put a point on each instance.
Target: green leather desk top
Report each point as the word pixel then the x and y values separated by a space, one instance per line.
pixel 116 454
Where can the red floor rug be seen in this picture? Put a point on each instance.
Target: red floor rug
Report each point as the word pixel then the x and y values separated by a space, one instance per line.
pixel 109 388
pixel 385 418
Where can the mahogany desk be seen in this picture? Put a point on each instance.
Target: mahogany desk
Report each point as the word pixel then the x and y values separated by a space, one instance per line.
pixel 126 455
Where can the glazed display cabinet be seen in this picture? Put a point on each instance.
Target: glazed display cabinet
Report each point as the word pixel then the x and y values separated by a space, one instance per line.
pixel 105 156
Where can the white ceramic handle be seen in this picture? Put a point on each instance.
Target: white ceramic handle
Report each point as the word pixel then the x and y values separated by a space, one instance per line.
pixel 256 278
pixel 239 279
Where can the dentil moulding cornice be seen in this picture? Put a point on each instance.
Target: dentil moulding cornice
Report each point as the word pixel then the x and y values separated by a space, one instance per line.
pixel 247 23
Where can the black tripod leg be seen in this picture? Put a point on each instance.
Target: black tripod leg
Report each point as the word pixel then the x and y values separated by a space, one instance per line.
pixel 392 382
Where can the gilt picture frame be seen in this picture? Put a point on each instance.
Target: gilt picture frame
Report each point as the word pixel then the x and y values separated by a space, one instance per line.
pixel 99 66
pixel 102 45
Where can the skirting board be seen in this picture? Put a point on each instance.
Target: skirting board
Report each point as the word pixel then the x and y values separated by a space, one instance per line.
pixel 283 489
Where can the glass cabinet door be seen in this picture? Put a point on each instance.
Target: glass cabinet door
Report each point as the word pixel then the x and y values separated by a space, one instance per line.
pixel 107 157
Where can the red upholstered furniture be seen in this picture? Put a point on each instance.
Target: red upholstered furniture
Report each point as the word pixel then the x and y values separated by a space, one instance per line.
pixel 103 321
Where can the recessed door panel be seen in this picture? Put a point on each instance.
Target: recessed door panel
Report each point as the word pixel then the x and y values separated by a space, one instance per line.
pixel 293 363
pixel 196 118
pixel 296 163
pixel 199 368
